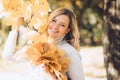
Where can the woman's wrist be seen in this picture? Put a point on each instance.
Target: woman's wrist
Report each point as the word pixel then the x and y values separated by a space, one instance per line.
pixel 18 22
pixel 15 28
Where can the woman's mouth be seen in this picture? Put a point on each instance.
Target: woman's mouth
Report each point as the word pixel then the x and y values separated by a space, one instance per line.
pixel 53 31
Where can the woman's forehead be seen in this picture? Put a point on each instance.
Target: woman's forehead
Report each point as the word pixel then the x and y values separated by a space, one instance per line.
pixel 62 18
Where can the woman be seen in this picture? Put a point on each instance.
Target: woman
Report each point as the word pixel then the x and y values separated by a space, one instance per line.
pixel 62 30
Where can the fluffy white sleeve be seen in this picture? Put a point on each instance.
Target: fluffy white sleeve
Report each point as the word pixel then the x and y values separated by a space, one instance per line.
pixel 10 45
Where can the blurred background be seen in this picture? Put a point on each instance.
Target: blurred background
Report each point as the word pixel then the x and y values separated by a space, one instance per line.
pixel 89 16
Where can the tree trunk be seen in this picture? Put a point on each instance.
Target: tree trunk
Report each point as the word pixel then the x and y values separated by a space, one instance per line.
pixel 111 38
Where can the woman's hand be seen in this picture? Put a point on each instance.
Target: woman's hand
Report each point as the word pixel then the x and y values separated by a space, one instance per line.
pixel 18 22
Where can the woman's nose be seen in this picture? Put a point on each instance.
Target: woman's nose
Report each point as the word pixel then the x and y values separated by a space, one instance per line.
pixel 55 26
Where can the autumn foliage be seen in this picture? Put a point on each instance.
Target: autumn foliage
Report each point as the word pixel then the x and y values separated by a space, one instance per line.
pixel 34 12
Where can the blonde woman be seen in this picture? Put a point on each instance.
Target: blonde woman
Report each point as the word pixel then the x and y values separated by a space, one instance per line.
pixel 62 30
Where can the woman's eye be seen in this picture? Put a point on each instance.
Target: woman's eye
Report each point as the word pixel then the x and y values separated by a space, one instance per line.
pixel 62 25
pixel 53 20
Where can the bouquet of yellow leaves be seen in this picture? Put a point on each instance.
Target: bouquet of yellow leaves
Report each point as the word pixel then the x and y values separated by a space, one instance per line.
pixel 52 57
pixel 40 51
pixel 34 12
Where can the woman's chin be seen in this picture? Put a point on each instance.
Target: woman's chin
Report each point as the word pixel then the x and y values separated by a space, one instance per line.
pixel 52 36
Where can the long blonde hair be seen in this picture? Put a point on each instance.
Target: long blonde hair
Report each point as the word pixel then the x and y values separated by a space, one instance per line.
pixel 73 36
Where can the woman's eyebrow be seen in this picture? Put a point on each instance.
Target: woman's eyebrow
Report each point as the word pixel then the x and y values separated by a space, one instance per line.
pixel 60 22
pixel 63 23
pixel 54 19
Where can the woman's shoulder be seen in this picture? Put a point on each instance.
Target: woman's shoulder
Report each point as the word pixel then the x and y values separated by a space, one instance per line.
pixel 67 47
pixel 71 52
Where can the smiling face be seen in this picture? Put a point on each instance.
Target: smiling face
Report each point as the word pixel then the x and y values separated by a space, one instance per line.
pixel 59 26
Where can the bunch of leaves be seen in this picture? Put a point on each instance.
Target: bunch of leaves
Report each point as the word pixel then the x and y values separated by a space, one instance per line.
pixel 53 58
pixel 41 51
pixel 34 12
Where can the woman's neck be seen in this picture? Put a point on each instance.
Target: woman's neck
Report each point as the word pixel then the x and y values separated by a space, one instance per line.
pixel 56 40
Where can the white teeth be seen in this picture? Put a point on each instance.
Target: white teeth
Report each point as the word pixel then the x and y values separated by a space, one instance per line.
pixel 54 31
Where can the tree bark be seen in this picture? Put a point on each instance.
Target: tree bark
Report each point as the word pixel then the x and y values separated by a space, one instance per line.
pixel 111 38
